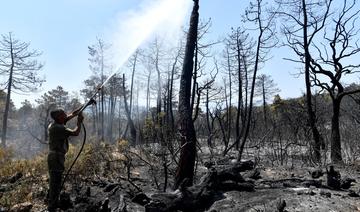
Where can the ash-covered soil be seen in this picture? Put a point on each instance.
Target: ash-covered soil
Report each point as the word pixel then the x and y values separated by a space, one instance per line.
pixel 277 188
pixel 289 187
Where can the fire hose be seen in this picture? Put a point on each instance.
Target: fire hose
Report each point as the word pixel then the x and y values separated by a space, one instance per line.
pixel 76 158
pixel 91 101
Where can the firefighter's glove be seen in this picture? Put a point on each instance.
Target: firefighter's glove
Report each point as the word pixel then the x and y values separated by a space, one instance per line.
pixel 91 102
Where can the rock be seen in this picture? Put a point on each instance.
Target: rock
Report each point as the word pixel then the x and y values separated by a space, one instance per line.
pixel 353 194
pixel 65 201
pixel 346 183
pixel 333 178
pixel 110 187
pixel 317 173
pixel 312 193
pixel 155 206
pixel 122 205
pixel 15 177
pixel 324 193
pixel 208 164
pixel 88 191
pixel 22 207
pixel 105 206
pixel 313 183
pixel 87 207
pixel 141 199
pixel 255 174
pixel 2 188
pixel 81 199
pixel 280 205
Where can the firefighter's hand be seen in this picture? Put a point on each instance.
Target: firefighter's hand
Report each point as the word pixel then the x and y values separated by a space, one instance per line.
pixel 91 102
pixel 80 118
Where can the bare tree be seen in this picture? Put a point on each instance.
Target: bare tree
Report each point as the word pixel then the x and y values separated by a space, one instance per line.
pixel 21 66
pixel 45 104
pixel 155 57
pixel 133 62
pixel 98 64
pixel 265 41
pixel 91 85
pixel 114 89
pixel 304 20
pixel 331 63
pixel 185 170
pixel 266 88
pixel 239 48
pixel 128 114
pixel 170 92
pixel 202 52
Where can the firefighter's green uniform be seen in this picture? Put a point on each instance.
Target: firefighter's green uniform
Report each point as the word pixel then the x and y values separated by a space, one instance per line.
pixel 58 146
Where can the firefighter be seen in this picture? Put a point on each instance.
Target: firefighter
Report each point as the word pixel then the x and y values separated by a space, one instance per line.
pixel 58 147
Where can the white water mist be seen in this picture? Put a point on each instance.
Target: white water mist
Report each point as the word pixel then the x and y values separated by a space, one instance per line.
pixel 161 17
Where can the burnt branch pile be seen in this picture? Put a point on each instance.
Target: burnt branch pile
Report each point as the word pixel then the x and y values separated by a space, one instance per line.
pixel 203 195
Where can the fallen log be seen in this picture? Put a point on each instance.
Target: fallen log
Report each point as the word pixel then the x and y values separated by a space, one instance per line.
pixel 201 196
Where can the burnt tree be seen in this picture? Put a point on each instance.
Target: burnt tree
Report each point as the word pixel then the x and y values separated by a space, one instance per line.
pixel 304 20
pixel 185 168
pixel 265 27
pixel 330 67
pixel 20 66
pixel 128 115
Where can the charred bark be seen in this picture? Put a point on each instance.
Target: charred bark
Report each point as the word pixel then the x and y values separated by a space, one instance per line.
pixel 335 133
pixel 128 115
pixel 7 104
pixel 185 168
pixel 311 114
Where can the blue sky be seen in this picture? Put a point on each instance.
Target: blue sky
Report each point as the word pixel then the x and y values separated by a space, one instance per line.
pixel 63 29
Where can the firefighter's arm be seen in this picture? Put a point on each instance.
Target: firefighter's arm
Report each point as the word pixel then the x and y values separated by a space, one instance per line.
pixel 77 129
pixel 72 114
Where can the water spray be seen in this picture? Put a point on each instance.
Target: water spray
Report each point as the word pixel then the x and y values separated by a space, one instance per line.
pixel 92 98
pixel 134 31
pixel 163 16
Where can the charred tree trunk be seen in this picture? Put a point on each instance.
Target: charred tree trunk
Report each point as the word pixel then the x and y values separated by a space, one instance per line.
pixel 264 102
pixel 171 86
pixel 247 129
pixel 209 127
pixel 195 83
pixel 130 121
pixel 335 133
pixel 312 117
pixel 159 117
pixel 185 168
pixel 7 104
pixel 229 113
pixel 102 112
pixel 148 94
pixel 132 80
pixel 239 114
